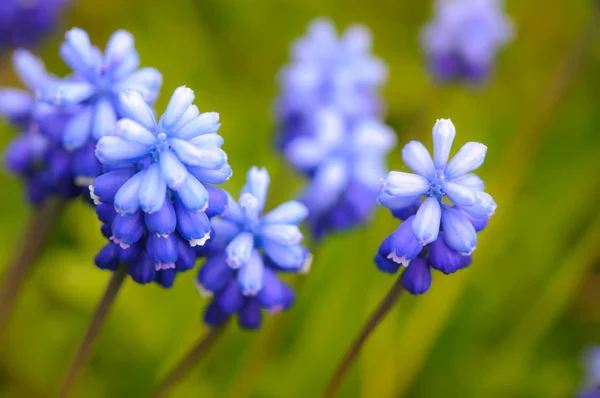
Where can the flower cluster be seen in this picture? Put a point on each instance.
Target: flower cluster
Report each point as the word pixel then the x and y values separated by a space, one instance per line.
pixel 328 113
pixel 36 154
pixel 23 23
pixel 591 382
pixel 440 231
pixel 462 41
pixel 247 251
pixel 156 197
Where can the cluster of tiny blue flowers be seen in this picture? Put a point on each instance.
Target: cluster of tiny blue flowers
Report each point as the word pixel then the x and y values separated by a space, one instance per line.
pixel 591 382
pixel 92 93
pixel 247 251
pixel 36 154
pixel 23 23
pixel 330 130
pixel 156 198
pixel 440 231
pixel 462 41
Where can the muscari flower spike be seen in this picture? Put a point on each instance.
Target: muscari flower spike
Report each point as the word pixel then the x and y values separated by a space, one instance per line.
pixel 23 23
pixel 157 198
pixel 344 162
pixel 93 91
pixel 328 71
pixel 462 40
pixel 439 231
pixel 591 383
pixel 36 154
pixel 248 250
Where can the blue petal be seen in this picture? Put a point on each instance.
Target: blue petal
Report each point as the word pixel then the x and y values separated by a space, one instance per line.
pixel 273 293
pixel 119 50
pixel 328 185
pixel 215 274
pixel 213 315
pixel 397 183
pixel 190 113
pixel 143 270
pixel 230 299
pixel 416 156
pixel 127 198
pixel 105 119
pixel 239 250
pixel 225 231
pixel 417 277
pixel 286 235
pixel 133 106
pixel 153 189
pixel 211 176
pixel 208 158
pixel 470 181
pixel 426 224
pixel 459 194
pixel 445 259
pixel 394 202
pixel 30 69
pixel 250 316
pixel 257 184
pixel 166 277
pixel 131 255
pixel 82 57
pixel 443 135
pixel 134 132
pixel 193 226
pixel 207 141
pixel 250 275
pixel 288 258
pixel 146 82
pixel 85 165
pixel 249 207
pixel 187 256
pixel 405 212
pixel 115 150
pixel 173 170
pixel 482 208
pixel 193 195
pixel 217 201
pixel 106 213
pixel 108 257
pixel 468 158
pixel 68 94
pixel 404 247
pixel 181 99
pixel 105 186
pixel 15 104
pixel 292 212
pixel 204 123
pixel 234 211
pixel 164 221
pixel 163 250
pixel 77 130
pixel 128 229
pixel 385 265
pixel 458 231
pixel 305 153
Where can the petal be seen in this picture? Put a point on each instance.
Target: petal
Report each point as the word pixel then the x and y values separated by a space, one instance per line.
pixel 105 186
pixel 85 166
pixel 187 256
pixel 120 44
pixel 458 231
pixel 218 176
pixel 225 231
pixel 257 184
pixel 181 99
pixel 133 106
pixel 426 224
pixel 404 247
pixel 468 158
pixel 405 212
pixel 146 82
pixel 394 202
pixel 443 135
pixel 165 277
pixel 193 195
pixel 417 277
pixel 105 119
pixel 77 130
pixel 174 172
pixel 15 104
pixel 208 158
pixel 482 208
pixel 106 213
pixel 190 113
pixel 164 250
pixel 128 229
pixel 287 258
pixel 305 153
pixel 205 123
pixel 459 194
pixel 207 141
pixel 249 208
pixel 163 221
pixel 31 70
pixel 250 316
pixel 328 185
pixel 292 212
pixel 397 183
pixel 239 250
pixel 445 259
pixel 132 131
pixel 153 189
pixel 127 198
pixel 217 201
pixel 82 57
pixel 193 226
pixel 417 158
pixel 143 271
pixel 230 299
pixel 68 94
pixel 213 315
pixel 470 181
pixel 373 136
pixel 108 257
pixel 215 274
pixel 250 275
pixel 286 235
pixel 273 294
pixel 115 150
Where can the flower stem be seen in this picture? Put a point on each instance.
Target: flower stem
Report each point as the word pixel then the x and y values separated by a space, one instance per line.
pixel 38 230
pixel 100 315
pixel 380 313
pixel 189 361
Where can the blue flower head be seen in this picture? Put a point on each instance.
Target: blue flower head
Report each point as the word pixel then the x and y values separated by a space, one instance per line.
pixel 157 197
pixel 329 71
pixel 36 155
pixel 345 162
pixel 246 253
pixel 446 221
pixel 591 382
pixel 94 90
pixel 462 41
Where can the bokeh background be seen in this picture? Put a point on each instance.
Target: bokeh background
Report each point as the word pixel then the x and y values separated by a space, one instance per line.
pixel 514 324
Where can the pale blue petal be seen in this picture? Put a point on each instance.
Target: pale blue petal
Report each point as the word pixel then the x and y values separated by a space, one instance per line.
pixel 417 158
pixel 483 207
pixel 173 170
pixel 257 184
pixel 190 113
pixel 292 212
pixel 205 123
pixel 146 81
pixel 133 106
pixel 305 153
pixel 250 275
pixel 328 185
pixel 394 202
pixel 153 190
pixel 207 141
pixel 397 183
pixel 426 224
pixel 225 231
pixel 218 176
pixel 192 226
pixel 193 194
pixel 79 42
pixel 105 119
pixel 443 135
pixel 470 181
pixel 250 209
pixel 459 233
pixel 115 150
pixel 208 158
pixel 181 99
pixel 127 199
pixel 68 94
pixel 282 234
pixel 78 129
pixel 234 212
pixel 119 45
pixel 459 194
pixel 239 250
pixel 292 258
pixel 31 70
pixel 132 131
pixel 468 158
pixel 373 136
pixel 15 103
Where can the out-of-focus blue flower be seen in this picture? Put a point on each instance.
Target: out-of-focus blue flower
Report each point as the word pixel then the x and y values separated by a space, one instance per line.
pixel 462 40
pixel 247 251
pixel 36 154
pixel 23 23
pixel 591 383
pixel 329 71
pixel 345 162
pixel 156 197
pixel 442 206
pixel 94 90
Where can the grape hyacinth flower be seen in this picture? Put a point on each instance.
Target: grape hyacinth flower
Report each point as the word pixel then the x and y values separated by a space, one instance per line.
pixel 23 23
pixel 93 91
pixel 156 198
pixel 248 250
pixel 345 162
pixel 440 231
pixel 36 154
pixel 329 71
pixel 462 41
pixel 591 385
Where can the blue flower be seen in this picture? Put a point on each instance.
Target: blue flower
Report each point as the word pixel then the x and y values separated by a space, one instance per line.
pixel 329 71
pixel 247 251
pixel 156 197
pixel 94 91
pixel 345 162
pixel 443 206
pixel 36 154
pixel 23 24
pixel 464 37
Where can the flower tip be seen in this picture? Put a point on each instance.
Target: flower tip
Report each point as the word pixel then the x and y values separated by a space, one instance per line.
pixel 164 266
pixel 398 260
pixel 161 235
pixel 275 309
pixel 94 197
pixel 305 269
pixel 201 241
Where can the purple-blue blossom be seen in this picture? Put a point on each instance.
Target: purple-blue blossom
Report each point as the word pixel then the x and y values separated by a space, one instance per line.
pixel 591 382
pixel 462 40
pixel 247 251
pixel 443 206
pixel 344 162
pixel 157 196
pixel 92 92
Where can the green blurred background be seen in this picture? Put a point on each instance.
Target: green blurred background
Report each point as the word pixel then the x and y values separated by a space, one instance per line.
pixel 514 324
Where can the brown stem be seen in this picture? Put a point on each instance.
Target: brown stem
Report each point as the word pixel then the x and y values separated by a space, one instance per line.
pixel 37 232
pixel 382 310
pixel 189 361
pixel 85 348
